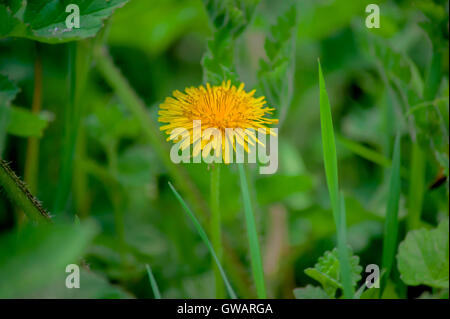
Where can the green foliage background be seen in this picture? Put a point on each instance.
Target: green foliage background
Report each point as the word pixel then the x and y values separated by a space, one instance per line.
pixel 89 148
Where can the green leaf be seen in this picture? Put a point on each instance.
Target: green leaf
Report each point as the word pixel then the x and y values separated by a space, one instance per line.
pixel 276 74
pixel 255 252
pixel 23 123
pixel 45 20
pixel 327 271
pixel 331 172
pixel 423 257
pixel 391 221
pixel 33 257
pixel 229 18
pixel 153 282
pixel 310 292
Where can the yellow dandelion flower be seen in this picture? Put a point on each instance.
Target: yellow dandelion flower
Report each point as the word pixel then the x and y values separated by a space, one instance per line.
pixel 222 107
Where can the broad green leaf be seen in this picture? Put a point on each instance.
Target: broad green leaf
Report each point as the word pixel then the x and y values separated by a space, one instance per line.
pixel 153 282
pixel 45 20
pixel 26 124
pixel 423 257
pixel 310 292
pixel 327 271
pixel 33 257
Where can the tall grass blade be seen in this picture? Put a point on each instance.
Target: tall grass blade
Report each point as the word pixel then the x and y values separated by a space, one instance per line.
pixel 391 220
pixel 344 258
pixel 364 152
pixel 153 283
pixel 331 171
pixel 205 239
pixel 255 253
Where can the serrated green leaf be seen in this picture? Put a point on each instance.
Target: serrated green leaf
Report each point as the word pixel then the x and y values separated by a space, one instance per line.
pixel 45 20
pixel 229 19
pixel 276 74
pixel 310 292
pixel 327 271
pixel 423 257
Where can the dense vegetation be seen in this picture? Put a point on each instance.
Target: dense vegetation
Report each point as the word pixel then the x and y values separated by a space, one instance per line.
pixel 363 150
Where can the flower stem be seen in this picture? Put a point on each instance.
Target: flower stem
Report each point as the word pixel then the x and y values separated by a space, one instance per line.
pixel 216 233
pixel 255 253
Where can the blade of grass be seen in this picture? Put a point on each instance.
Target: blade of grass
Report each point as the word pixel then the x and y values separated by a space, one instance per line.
pixel 205 239
pixel 364 151
pixel 391 219
pixel 331 172
pixel 369 154
pixel 344 258
pixel 255 253
pixel 153 283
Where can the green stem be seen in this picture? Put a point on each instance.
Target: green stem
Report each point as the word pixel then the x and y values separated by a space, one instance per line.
pixel 216 233
pixel 123 89
pixel 255 253
pixel 19 194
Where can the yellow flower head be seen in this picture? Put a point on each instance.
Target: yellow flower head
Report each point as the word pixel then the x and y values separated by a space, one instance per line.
pixel 222 107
